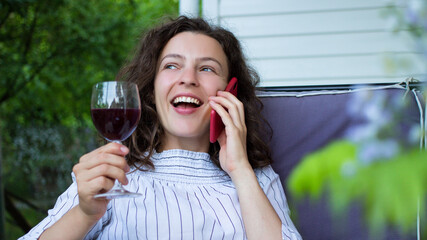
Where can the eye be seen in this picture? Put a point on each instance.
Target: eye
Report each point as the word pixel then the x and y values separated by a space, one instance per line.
pixel 207 69
pixel 170 66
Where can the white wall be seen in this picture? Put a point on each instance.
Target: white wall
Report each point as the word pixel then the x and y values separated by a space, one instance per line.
pixel 317 42
pixel 189 8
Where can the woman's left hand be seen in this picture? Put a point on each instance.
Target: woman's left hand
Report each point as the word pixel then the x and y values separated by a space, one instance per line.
pixel 232 140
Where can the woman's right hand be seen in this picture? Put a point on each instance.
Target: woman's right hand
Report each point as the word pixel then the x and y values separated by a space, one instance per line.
pixel 95 173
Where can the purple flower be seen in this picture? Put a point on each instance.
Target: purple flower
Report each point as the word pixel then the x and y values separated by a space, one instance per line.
pixel 375 150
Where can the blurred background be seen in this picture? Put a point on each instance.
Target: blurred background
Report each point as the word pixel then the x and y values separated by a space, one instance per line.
pixel 51 53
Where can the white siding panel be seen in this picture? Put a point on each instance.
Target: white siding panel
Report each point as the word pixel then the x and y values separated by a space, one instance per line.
pixel 210 11
pixel 314 42
pixel 342 69
pixel 323 45
pixel 256 7
pixel 365 20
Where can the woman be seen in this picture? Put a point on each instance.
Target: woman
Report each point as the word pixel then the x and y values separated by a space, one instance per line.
pixel 191 189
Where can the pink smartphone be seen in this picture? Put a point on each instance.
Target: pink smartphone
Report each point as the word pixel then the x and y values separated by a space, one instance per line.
pixel 216 125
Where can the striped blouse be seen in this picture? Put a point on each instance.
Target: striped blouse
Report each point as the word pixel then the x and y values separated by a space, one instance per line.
pixel 185 197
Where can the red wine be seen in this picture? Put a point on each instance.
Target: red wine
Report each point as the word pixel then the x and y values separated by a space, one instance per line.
pixel 115 124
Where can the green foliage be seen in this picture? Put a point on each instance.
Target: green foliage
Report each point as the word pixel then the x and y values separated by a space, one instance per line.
pixel 394 189
pixel 321 168
pixel 51 54
pixel 44 157
pixel 391 190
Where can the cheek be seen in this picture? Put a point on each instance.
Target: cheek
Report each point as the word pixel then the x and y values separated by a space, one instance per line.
pixel 213 88
pixel 160 87
pixel 159 98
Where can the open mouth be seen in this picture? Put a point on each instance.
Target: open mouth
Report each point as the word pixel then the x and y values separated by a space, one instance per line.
pixel 186 102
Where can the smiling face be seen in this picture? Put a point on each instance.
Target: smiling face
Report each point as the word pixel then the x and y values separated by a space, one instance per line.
pixel 191 68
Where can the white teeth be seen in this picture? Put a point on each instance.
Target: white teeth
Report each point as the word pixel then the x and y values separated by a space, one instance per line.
pixel 186 100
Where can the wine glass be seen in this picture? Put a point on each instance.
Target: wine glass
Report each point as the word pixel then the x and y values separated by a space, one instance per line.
pixel 115 110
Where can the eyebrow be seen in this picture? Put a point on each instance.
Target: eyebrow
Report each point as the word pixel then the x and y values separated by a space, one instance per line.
pixel 174 55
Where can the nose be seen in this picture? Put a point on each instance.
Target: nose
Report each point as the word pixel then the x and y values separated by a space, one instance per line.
pixel 189 77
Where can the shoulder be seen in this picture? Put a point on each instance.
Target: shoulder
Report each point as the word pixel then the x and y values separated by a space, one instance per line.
pixel 266 171
pixel 266 174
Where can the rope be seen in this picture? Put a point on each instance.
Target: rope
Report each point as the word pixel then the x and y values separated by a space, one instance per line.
pixel 326 92
pixel 423 141
pixel 422 125
pixel 418 221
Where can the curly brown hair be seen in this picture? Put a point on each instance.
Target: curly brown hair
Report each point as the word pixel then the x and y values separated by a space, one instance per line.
pixel 142 71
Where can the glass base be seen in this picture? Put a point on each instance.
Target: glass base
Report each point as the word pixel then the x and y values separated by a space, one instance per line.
pixel 118 193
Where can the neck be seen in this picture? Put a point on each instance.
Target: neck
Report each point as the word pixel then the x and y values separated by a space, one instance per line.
pixel 190 144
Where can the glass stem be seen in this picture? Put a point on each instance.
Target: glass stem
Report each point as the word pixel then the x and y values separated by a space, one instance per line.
pixel 117 184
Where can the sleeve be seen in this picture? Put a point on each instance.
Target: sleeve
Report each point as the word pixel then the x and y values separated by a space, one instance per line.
pixel 64 203
pixel 272 186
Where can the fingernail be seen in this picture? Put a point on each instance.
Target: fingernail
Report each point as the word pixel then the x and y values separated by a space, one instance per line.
pixel 127 169
pixel 123 149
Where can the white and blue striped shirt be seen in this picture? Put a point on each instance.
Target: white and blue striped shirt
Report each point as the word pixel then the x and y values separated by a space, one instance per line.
pixel 185 197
